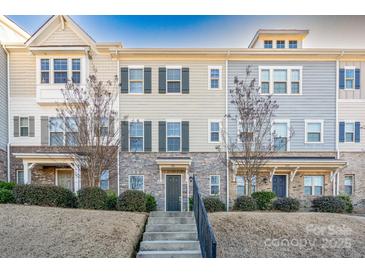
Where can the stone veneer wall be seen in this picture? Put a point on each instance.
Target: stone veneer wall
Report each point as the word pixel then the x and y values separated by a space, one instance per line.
pixel 356 167
pixel 3 167
pixel 203 165
pixel 46 174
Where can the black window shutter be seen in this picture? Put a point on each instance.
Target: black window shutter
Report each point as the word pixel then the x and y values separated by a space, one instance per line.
pixel 185 80
pixel 124 80
pixel 162 136
pixel 147 80
pixel 124 138
pixel 162 80
pixel 147 136
pixel 185 136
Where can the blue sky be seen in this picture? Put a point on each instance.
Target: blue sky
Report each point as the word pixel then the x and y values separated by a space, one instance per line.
pixel 210 31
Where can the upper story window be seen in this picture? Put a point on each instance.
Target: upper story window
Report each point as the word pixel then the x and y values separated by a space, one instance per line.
pixel 136 136
pixel 293 44
pixel 45 71
pixel 349 78
pixel 104 180
pixel 214 131
pixel 280 132
pixel 76 68
pixel 350 132
pixel 136 80
pixel 136 182
pixel 215 77
pixel 280 44
pixel 71 131
pixel 24 126
pixel 282 80
pixel 313 185
pixel 348 184
pixel 173 79
pixel 245 131
pixel 173 136
pixel 268 44
pixel 61 134
pixel 60 71
pixel 314 131
pixel 215 184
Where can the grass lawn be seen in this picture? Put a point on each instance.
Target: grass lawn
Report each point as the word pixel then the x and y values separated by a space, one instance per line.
pixel 32 231
pixel 274 234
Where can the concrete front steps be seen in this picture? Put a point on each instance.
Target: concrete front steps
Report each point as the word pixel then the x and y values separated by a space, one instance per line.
pixel 170 235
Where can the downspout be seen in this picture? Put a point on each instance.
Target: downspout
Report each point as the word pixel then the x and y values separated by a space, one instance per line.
pixel 226 137
pixel 118 157
pixel 8 112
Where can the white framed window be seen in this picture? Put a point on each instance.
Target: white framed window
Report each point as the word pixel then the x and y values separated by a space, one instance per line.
pixel 214 131
pixel 45 71
pixel 62 132
pixel 136 80
pixel 104 180
pixel 241 189
pixel 136 182
pixel 280 80
pixel 173 136
pixel 60 69
pixel 173 79
pixel 214 184
pixel 349 78
pixel 215 77
pixel 314 131
pixel 280 44
pixel 24 126
pixel 268 44
pixel 20 177
pixel 104 126
pixel 349 183
pixel 313 185
pixel 71 131
pixel 293 44
pixel 349 132
pixel 76 70
pixel 280 132
pixel 245 131
pixel 136 136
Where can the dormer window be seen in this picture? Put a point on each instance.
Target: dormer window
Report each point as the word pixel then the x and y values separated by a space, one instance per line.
pixel 280 44
pixel 293 44
pixel 60 71
pixel 268 44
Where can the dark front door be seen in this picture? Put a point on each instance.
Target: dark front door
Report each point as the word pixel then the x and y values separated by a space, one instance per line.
pixel 279 185
pixel 173 192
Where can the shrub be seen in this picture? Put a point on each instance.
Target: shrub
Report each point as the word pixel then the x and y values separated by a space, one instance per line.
pixel 213 204
pixel 348 203
pixel 286 204
pixel 92 198
pixel 112 198
pixel 7 185
pixel 329 204
pixel 44 195
pixel 263 199
pixel 151 204
pixel 245 203
pixel 132 200
pixel 6 196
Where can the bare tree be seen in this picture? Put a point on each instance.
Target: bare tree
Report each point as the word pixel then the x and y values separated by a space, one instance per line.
pixel 256 140
pixel 88 115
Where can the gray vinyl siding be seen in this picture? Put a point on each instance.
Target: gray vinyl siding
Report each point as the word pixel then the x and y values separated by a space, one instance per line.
pixel 3 99
pixel 317 102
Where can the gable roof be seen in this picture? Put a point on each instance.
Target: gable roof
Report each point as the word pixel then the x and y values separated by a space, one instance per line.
pixel 22 34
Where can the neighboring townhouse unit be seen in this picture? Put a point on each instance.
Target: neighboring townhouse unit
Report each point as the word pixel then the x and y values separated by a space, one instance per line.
pixel 9 33
pixel 172 106
pixel 39 69
pixel 351 134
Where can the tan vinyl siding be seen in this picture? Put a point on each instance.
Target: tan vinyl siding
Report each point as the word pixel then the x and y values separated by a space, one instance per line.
pixel 197 107
pixel 354 94
pixel 355 112
pixel 63 37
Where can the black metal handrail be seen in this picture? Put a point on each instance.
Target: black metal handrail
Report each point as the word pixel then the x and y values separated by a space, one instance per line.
pixel 208 243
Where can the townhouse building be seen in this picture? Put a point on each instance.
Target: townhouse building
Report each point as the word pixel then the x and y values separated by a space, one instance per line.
pixel 173 106
pixel 9 33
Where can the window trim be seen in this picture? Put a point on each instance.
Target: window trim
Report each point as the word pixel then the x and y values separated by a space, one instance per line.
pixel 349 122
pixel 239 141
pixel 20 127
pixel 74 70
pixel 219 80
pixel 48 71
pixel 296 42
pixel 167 137
pixel 288 79
pixel 306 122
pixel 108 179
pixel 167 88
pixel 129 80
pixel 129 134
pixel 313 186
pixel 281 121
pixel 129 180
pixel 219 121
pixel 276 44
pixel 272 44
pixel 67 70
pixel 244 186
pixel 352 183
pixel 210 185
pixel 354 79
pixel 17 176
pixel 64 132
